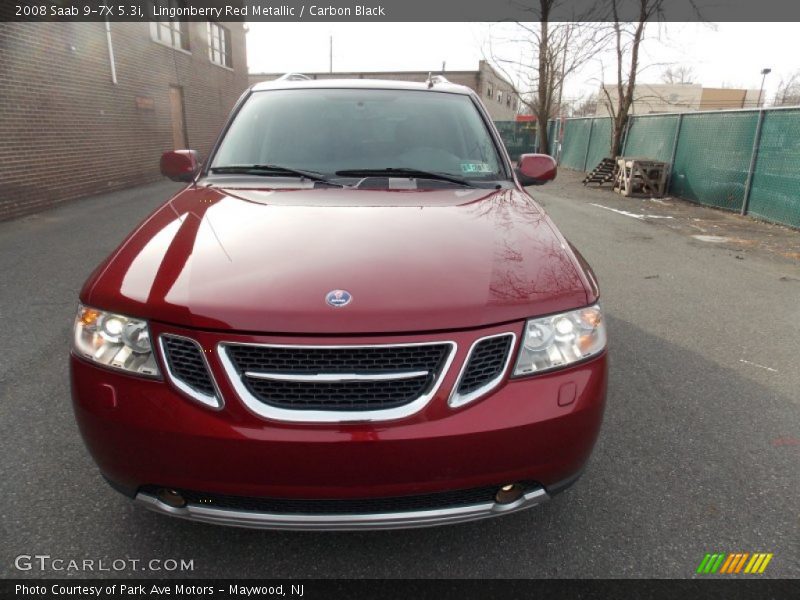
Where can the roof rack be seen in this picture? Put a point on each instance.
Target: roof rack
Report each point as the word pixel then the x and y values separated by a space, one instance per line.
pixel 294 77
pixel 434 79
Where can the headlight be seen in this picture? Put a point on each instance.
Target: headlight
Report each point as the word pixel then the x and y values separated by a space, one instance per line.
pixel 114 341
pixel 560 340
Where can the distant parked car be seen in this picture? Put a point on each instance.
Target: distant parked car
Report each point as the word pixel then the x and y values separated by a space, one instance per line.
pixel 353 316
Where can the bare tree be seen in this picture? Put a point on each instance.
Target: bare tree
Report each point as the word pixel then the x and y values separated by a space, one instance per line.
pixel 680 74
pixel 628 37
pixel 585 106
pixel 556 51
pixel 788 93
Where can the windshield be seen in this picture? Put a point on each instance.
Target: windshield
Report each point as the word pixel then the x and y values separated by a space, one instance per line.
pixel 331 131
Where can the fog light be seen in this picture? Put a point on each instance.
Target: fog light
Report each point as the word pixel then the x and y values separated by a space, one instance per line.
pixel 171 498
pixel 508 494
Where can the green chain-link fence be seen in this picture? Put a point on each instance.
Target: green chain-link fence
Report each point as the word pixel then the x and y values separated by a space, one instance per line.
pixel 713 158
pixel 652 138
pixel 552 132
pixel 599 143
pixel 585 142
pixel 518 136
pixel 522 137
pixel 575 143
pixel 745 161
pixel 775 192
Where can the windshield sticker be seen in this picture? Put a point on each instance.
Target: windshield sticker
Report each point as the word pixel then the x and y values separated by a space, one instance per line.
pixel 475 167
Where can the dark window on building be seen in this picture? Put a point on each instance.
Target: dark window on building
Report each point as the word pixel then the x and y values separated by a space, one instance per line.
pixel 500 97
pixel 489 91
pixel 219 44
pixel 172 31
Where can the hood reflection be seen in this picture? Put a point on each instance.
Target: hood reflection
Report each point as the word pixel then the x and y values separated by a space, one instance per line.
pixel 413 261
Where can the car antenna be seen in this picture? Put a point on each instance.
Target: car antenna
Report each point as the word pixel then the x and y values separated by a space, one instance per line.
pixel 434 79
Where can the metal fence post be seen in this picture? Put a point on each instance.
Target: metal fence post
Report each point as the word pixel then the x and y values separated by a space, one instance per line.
pixel 628 126
pixel 748 186
pixel 557 140
pixel 674 152
pixel 588 145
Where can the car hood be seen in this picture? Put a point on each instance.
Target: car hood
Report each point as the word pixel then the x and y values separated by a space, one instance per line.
pixel 256 260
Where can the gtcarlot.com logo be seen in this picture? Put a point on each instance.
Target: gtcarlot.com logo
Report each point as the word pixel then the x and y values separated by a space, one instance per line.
pixel 45 562
pixel 734 563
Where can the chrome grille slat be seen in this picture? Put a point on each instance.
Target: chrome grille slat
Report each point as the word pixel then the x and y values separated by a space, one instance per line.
pixel 338 377
pixel 484 368
pixel 484 363
pixel 188 370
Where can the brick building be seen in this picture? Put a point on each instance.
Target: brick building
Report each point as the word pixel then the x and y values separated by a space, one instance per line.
pixel 497 93
pixel 89 107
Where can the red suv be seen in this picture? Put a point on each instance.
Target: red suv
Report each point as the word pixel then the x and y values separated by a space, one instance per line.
pixel 353 316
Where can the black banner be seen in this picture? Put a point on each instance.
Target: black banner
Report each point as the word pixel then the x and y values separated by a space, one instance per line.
pixel 393 10
pixel 441 589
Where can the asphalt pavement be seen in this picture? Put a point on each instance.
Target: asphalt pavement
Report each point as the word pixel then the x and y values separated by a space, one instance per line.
pixel 699 451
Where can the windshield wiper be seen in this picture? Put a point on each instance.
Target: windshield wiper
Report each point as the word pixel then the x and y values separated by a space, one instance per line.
pixel 272 171
pixel 405 172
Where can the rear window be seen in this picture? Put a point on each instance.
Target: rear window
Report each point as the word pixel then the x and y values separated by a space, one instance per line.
pixel 341 129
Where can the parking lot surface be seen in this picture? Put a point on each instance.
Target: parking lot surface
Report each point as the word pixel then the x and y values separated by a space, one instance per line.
pixel 699 450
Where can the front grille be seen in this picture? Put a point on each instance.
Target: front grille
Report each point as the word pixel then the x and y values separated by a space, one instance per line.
pixel 301 359
pixel 351 395
pixel 485 363
pixel 340 379
pixel 186 364
pixel 431 501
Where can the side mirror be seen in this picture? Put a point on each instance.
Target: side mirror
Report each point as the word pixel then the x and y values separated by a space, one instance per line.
pixel 536 169
pixel 180 165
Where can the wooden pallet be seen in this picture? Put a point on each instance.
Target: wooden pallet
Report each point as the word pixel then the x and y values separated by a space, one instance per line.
pixel 602 173
pixel 641 177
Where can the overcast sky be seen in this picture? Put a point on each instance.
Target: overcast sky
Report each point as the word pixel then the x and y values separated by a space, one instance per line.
pixel 731 54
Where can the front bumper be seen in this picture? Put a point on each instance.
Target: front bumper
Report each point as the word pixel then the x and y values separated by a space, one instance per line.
pixel 342 522
pixel 145 433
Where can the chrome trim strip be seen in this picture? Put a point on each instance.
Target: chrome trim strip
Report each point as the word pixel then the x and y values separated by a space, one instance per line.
pixel 329 416
pixel 342 522
pixel 457 400
pixel 335 377
pixel 213 402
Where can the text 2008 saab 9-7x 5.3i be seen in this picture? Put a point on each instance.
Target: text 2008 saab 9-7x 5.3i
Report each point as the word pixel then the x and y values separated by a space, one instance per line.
pixel 353 316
